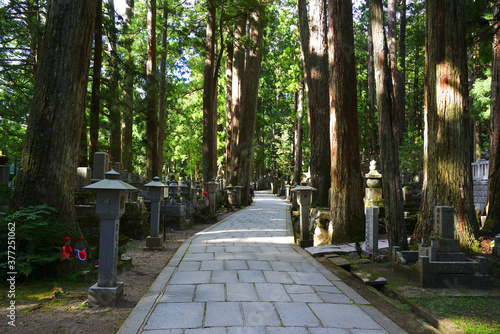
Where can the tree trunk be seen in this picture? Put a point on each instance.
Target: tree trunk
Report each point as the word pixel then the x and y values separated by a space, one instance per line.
pixel 371 97
pixel 115 121
pixel 246 72
pixel 152 169
pixel 494 177
pixel 346 216
pixel 297 170
pixel 229 89
pixel 402 66
pixel 314 48
pixel 389 156
pixel 163 91
pixel 397 81
pixel 48 165
pixel 447 137
pixel 209 96
pixel 128 91
pixel 96 86
pixel 236 90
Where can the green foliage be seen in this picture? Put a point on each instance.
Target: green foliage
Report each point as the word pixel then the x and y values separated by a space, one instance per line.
pixel 411 153
pixel 38 239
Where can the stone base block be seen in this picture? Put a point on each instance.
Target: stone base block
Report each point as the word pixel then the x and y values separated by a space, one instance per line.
pixel 105 296
pixel 154 242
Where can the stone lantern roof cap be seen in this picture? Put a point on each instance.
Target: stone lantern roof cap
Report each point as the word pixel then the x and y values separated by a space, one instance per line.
pixel 155 183
pixel 302 187
pixel 111 182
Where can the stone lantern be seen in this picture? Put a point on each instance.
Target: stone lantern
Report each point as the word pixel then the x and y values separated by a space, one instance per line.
pixel 304 197
pixel 155 189
pixel 373 194
pixel 212 197
pixel 237 195
pixel 111 194
pixel 172 191
pixel 230 196
pixel 184 189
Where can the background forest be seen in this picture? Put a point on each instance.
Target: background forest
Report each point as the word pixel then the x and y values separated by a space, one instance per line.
pixel 158 68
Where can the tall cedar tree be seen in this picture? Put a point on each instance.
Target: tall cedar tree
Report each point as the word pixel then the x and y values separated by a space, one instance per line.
pixel 447 136
pixel 128 90
pixel 49 158
pixel 115 117
pixel 152 168
pixel 313 39
pixel 298 134
pixel 389 156
pixel 246 72
pixel 95 97
pixel 210 97
pixel 347 218
pixel 162 110
pixel 494 179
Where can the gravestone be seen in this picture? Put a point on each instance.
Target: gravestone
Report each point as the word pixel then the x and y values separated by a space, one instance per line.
pixel 83 177
pixel 371 229
pixel 444 224
pixel 101 166
pixel 304 197
pixel 4 174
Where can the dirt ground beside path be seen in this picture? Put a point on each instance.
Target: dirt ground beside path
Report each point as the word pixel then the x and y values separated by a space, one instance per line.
pixel 68 312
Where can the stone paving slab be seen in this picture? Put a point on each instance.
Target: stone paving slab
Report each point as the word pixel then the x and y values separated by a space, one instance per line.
pixel 244 275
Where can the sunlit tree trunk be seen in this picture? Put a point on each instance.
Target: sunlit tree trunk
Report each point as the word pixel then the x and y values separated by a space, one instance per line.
pixel 128 91
pixel 371 97
pixel 96 87
pixel 494 178
pixel 152 169
pixel 229 89
pixel 162 111
pixel 346 216
pixel 49 158
pixel 209 96
pixel 389 156
pixel 313 38
pixel 297 170
pixel 447 137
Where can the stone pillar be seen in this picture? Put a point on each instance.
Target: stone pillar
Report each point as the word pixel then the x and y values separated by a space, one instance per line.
pixel 371 229
pixel 111 194
pixel 444 221
pixel 155 189
pixel 287 192
pixel 237 196
pixel 496 250
pixel 230 197
pixel 212 198
pixel 304 197
pixel 101 166
pixel 373 194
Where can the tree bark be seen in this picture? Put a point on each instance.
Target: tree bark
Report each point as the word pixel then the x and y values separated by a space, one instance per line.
pixel 397 81
pixel 371 97
pixel 314 48
pixel 96 87
pixel 229 90
pixel 347 218
pixel 128 91
pixel 152 169
pixel 494 177
pixel 447 137
pixel 389 156
pixel 115 119
pixel 209 98
pixel 48 165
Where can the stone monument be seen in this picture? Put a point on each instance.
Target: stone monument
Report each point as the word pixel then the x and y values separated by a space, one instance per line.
pixel 111 194
pixel 155 189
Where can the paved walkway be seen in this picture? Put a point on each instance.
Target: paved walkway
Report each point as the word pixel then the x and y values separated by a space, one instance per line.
pixel 244 275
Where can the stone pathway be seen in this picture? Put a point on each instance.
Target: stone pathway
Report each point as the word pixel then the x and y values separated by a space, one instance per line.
pixel 244 275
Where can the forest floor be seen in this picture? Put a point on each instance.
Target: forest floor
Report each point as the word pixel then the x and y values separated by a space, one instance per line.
pixel 59 306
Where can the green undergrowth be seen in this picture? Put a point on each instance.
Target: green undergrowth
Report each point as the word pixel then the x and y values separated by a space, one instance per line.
pixel 474 315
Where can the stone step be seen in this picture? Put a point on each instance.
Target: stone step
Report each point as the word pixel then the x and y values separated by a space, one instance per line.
pixel 340 262
pixel 370 278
